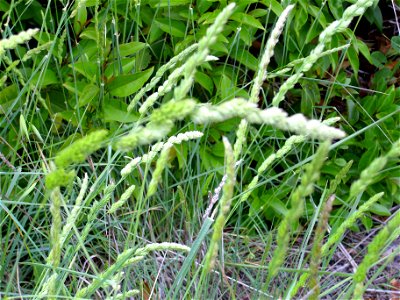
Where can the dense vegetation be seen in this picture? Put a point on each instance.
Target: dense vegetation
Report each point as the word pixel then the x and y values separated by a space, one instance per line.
pixel 199 149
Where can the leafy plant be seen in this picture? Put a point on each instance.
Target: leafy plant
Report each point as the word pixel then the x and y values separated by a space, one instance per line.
pixel 121 116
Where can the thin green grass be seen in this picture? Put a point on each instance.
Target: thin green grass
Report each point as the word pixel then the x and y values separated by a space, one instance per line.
pixel 114 241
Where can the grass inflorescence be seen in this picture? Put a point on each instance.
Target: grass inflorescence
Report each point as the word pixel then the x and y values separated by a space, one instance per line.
pixel 118 120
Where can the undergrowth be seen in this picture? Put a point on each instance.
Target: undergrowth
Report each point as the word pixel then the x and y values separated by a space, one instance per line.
pixel 147 153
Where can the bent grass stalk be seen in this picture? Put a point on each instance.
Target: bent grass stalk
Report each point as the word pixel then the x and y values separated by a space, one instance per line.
pixel 124 197
pixel 188 69
pixel 203 49
pixel 261 76
pixel 156 148
pixel 369 174
pixel 225 204
pixel 13 41
pixel 73 216
pixel 75 153
pixel 332 189
pixel 161 164
pixel 274 116
pixel 238 107
pixel 316 249
pixel 54 257
pixel 306 187
pixel 156 78
pixel 287 147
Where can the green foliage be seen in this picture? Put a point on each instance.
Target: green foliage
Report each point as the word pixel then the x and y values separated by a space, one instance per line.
pixel 130 74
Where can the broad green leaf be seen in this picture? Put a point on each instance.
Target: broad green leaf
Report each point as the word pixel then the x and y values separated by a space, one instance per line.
pixel 75 87
pixel 86 50
pixel 278 206
pixel 274 5
pixel 378 18
pixel 205 81
pixel 367 222
pixel 205 187
pixel 126 85
pixel 115 110
pixel 113 69
pixel 209 17
pixel 368 156
pixel 89 33
pixel 247 35
pixel 313 32
pixel 4 6
pixel 255 206
pixel 227 126
pixel 226 88
pixel 363 48
pixel 203 6
pixel 80 18
pixel 70 139
pixel 316 12
pixel 90 3
pixel 128 49
pixel 89 92
pixel 341 162
pixel 352 55
pixel 388 99
pixel 395 43
pixel 353 114
pixel 44 78
pixel 71 117
pixel 172 27
pixel 219 47
pixel 244 57
pixel 378 59
pixel 300 18
pixel 258 12
pixel 218 149
pixel 143 59
pixel 88 69
pixel 247 20
pixel 309 96
pixel 7 95
pixel 211 162
pixel 336 7
pixel 166 3
pixel 380 210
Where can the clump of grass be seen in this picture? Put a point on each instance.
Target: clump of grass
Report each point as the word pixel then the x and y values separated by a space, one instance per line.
pixel 125 259
pixel 52 283
pixel 337 235
pixel 388 232
pixel 325 37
